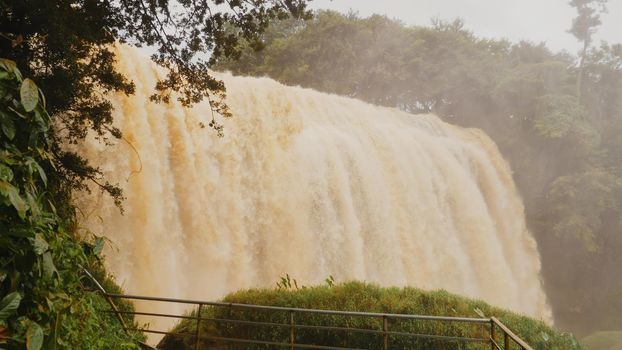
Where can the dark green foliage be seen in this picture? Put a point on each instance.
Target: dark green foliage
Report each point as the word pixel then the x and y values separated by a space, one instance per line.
pixel 563 144
pixel 46 303
pixel 357 296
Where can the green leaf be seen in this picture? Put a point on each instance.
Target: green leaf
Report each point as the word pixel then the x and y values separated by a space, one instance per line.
pixel 33 204
pixel 34 337
pixel 41 172
pixel 39 244
pixel 9 305
pixel 52 342
pixel 6 173
pixel 10 66
pixel 43 101
pixel 29 94
pixel 8 190
pixel 48 264
pixel 8 127
pixel 98 246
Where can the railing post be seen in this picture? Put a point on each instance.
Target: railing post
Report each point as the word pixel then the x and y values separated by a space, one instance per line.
pixel 109 300
pixel 385 335
pixel 492 335
pixel 506 343
pixel 292 334
pixel 197 333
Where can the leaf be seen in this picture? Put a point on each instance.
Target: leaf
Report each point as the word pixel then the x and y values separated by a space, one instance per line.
pixel 6 173
pixel 98 246
pixel 8 127
pixel 9 305
pixel 34 336
pixel 43 101
pixel 479 312
pixel 29 94
pixel 10 66
pixel 8 190
pixel 41 172
pixel 40 244
pixel 48 264
pixel 52 343
pixel 33 204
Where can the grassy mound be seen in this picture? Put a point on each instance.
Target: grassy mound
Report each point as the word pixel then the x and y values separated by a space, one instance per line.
pixel 603 341
pixel 358 296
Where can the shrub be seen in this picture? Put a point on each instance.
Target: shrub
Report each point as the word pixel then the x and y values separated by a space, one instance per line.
pixel 358 296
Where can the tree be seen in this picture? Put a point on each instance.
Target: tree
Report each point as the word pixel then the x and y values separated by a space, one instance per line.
pixel 66 46
pixel 584 26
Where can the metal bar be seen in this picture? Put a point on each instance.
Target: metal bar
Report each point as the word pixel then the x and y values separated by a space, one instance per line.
pixel 150 314
pixel 385 335
pixel 440 337
pixel 296 326
pixel 506 341
pixel 492 335
pixel 109 300
pixel 250 341
pixel 198 330
pixel 317 311
pixel 348 329
pixel 292 335
pixel 513 336
pixel 343 329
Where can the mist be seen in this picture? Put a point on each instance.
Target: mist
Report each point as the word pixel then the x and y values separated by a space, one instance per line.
pixel 550 102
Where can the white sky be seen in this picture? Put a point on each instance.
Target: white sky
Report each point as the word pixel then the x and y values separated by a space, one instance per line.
pixel 533 20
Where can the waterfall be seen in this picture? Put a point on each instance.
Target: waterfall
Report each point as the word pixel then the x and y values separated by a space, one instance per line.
pixel 308 184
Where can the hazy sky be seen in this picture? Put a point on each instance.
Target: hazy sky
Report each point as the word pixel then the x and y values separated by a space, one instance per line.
pixel 534 20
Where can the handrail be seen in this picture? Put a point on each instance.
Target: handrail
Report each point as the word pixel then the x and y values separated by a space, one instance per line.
pixel 116 311
pixel 509 334
pixel 490 323
pixel 300 310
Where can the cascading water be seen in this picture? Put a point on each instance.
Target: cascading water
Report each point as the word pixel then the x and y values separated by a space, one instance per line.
pixel 311 185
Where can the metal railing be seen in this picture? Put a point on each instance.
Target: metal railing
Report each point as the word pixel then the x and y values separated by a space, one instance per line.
pixel 487 332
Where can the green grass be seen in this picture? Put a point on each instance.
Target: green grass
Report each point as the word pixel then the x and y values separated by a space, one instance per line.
pixel 357 296
pixel 603 341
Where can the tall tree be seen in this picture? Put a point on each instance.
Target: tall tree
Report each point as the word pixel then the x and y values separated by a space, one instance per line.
pixel 583 28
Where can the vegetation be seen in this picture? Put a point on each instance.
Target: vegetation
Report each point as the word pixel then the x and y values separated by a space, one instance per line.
pixel 45 303
pixel 562 141
pixel 67 47
pixel 358 296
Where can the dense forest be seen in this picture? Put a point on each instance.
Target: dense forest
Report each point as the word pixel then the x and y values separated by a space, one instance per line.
pixel 555 117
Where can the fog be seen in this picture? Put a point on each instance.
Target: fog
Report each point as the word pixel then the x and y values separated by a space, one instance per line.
pixel 533 20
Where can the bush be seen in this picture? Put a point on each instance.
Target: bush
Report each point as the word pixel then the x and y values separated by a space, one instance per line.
pixel 358 296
